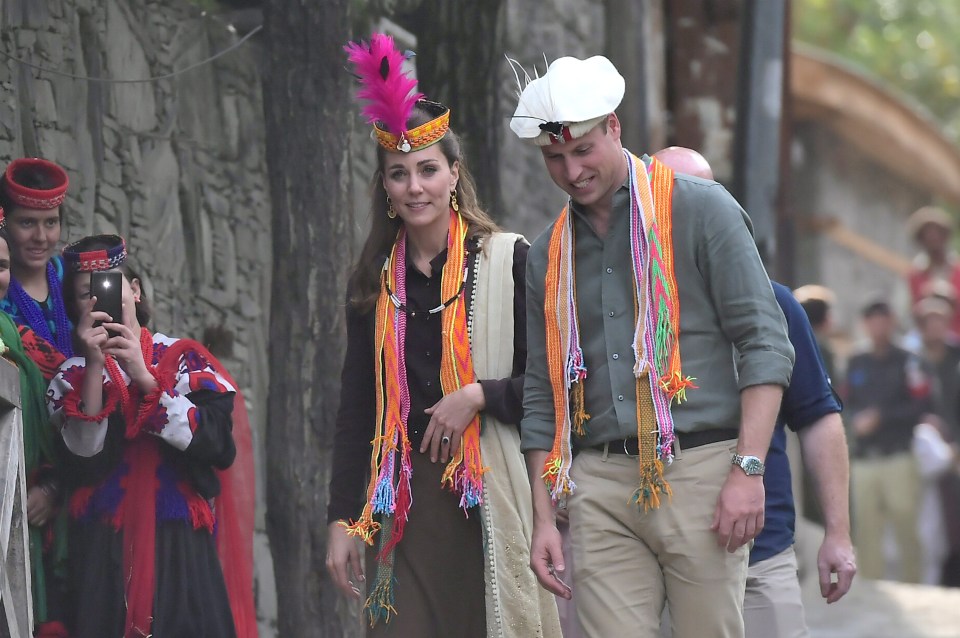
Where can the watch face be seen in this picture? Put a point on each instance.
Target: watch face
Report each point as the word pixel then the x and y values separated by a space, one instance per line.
pixel 752 465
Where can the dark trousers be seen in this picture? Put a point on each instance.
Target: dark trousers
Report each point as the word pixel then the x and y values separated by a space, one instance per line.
pixel 438 565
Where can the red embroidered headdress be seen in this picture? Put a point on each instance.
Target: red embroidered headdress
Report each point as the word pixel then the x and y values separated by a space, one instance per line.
pixel 80 257
pixel 35 183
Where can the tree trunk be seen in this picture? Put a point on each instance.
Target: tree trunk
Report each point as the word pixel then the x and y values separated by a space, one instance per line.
pixel 703 44
pixel 460 49
pixel 306 105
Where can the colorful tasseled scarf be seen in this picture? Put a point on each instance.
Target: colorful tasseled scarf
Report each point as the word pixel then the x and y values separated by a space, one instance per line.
pixel 388 493
pixel 656 344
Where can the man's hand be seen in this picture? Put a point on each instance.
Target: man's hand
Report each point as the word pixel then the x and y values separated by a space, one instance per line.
pixel 836 557
pixel 739 514
pixel 546 559
pixel 866 422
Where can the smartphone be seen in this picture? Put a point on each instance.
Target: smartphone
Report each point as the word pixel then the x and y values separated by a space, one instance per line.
pixel 107 287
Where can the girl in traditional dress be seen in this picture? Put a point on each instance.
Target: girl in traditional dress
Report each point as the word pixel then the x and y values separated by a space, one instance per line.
pixel 433 377
pixel 31 193
pixel 158 459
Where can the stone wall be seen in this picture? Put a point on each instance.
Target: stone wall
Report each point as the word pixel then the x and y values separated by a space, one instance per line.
pixel 833 180
pixel 552 28
pixel 176 165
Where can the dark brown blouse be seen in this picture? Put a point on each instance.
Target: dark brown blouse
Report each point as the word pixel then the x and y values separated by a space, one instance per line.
pixel 357 415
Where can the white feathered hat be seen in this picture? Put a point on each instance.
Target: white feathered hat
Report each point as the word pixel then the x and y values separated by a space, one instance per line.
pixel 571 98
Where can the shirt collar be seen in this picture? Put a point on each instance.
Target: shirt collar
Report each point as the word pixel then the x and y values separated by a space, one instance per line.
pixel 620 204
pixel 438 262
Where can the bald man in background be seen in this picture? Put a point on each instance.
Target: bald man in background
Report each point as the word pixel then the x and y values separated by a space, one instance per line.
pixel 772 603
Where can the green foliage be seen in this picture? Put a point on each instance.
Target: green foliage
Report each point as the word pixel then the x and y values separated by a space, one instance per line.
pixel 910 44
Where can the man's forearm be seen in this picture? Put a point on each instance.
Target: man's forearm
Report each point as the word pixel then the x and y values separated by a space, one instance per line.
pixel 543 510
pixel 824 448
pixel 759 405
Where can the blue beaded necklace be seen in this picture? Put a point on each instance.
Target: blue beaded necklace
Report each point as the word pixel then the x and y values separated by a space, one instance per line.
pixel 30 310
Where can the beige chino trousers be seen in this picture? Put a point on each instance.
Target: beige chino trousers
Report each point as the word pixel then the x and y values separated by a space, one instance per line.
pixel 629 563
pixel 886 490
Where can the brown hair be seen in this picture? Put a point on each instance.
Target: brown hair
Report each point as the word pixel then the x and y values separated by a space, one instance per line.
pixel 364 284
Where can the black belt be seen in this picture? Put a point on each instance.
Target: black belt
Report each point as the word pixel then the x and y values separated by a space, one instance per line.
pixel 687 440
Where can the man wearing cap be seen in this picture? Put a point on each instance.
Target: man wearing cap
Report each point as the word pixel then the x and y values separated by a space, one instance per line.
pixel 931 227
pixel 31 192
pixel 643 267
pixel 887 391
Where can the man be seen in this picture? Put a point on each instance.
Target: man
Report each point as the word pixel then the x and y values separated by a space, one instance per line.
pixel 942 359
pixel 589 310
pixel 887 392
pixel 931 228
pixel 773 607
pixel 818 301
pixel 930 441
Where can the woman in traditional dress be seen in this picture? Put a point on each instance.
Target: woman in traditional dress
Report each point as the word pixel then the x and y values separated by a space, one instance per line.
pixel 433 376
pixel 31 193
pixel 46 527
pixel 150 425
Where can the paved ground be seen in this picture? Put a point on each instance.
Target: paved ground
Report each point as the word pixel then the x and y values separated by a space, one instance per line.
pixel 877 609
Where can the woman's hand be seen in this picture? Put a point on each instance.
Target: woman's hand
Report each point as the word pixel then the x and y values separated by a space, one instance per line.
pixel 41 506
pixel 449 418
pixel 343 560
pixel 91 337
pixel 125 348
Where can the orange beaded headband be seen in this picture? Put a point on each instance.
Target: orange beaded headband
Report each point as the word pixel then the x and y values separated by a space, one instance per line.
pixel 420 137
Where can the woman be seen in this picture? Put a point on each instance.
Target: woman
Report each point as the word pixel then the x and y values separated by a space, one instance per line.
pixel 149 426
pixel 436 302
pixel 31 193
pixel 47 529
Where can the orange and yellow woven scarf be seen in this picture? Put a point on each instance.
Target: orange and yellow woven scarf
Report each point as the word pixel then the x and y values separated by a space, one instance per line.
pixel 388 493
pixel 656 345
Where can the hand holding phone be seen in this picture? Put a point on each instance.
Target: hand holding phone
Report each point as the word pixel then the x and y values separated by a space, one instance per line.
pixel 107 287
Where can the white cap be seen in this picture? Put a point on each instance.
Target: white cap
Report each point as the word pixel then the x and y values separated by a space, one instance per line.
pixel 570 99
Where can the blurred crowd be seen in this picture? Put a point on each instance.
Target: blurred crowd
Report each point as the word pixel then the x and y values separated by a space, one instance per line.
pixel 901 393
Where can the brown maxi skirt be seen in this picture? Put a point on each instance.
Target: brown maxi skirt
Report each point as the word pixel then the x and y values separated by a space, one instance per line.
pixel 438 566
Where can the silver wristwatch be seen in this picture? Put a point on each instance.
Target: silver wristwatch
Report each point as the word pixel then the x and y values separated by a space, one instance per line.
pixel 751 465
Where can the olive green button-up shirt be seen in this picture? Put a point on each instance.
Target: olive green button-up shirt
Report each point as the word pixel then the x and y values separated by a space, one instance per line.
pixel 732 332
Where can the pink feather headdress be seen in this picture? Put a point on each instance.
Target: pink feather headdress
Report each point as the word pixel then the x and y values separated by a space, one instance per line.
pixel 390 96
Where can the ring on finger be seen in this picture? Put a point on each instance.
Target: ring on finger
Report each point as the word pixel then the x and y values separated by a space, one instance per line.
pixel 445 440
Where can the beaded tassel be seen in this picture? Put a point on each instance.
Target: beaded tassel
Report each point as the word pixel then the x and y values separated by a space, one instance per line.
pixel 558 307
pixel 380 601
